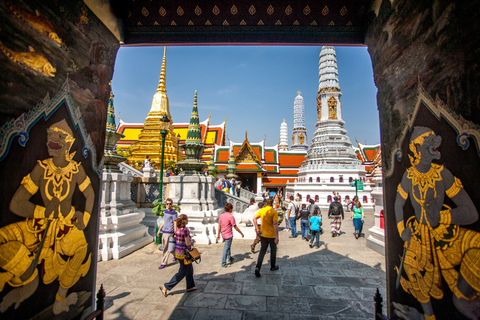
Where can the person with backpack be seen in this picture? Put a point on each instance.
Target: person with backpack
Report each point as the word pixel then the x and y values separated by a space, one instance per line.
pixel 304 215
pixel 335 214
pixel 291 215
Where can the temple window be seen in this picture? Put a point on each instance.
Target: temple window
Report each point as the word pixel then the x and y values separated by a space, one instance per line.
pixel 332 179
pixel 310 179
pixel 329 199
pixel 316 198
pixel 332 108
pixel 308 197
pixel 340 179
pixel 318 179
pixel 365 199
pixel 347 197
pixel 350 179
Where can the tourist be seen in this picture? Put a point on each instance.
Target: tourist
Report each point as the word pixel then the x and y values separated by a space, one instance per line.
pixel 292 217
pixel 335 214
pixel 233 186
pixel 226 222
pixel 247 188
pixel 304 215
pixel 225 185
pixel 312 208
pixel 168 228
pixel 358 217
pixel 146 163
pixel 239 187
pixel 268 235
pixel 355 199
pixel 315 225
pixel 257 239
pixel 184 242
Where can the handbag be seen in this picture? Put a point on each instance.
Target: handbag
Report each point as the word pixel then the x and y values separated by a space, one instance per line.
pixel 192 256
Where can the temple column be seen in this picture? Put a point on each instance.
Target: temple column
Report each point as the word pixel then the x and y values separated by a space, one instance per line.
pixel 259 184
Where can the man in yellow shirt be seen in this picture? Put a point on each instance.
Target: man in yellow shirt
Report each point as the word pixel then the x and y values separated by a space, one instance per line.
pixel 268 232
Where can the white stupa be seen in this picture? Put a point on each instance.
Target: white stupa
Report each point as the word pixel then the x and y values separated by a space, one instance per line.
pixel 299 134
pixel 331 163
pixel 283 144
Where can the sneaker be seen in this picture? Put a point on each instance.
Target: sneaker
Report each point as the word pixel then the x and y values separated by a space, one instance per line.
pixel 162 266
pixel 275 268
pixel 334 234
pixel 174 259
pixel 310 245
pixel 257 273
pixel 227 266
pixel 231 260
pixel 292 237
pixel 252 248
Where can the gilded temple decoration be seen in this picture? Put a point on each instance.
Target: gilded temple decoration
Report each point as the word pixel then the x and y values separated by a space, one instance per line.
pixel 332 108
pixel 319 109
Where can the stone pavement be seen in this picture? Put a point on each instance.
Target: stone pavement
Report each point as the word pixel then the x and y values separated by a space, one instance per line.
pixel 337 281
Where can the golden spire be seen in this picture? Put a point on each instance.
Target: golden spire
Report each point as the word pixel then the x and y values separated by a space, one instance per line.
pixel 160 105
pixel 298 92
pixel 162 83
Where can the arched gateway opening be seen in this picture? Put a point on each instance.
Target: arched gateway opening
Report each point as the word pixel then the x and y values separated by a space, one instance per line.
pixel 53 110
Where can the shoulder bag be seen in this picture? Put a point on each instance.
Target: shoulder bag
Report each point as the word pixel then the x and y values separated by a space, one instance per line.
pixel 192 256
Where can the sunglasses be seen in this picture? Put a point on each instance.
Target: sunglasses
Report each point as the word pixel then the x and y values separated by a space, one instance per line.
pixel 169 204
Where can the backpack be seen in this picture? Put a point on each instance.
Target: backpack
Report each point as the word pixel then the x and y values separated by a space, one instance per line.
pixel 335 211
pixel 297 209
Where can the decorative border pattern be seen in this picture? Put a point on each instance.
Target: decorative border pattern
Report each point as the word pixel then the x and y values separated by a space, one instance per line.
pixel 465 129
pixel 21 126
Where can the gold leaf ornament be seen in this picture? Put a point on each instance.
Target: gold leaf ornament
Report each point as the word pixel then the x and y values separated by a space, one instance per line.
pixel 225 23
pixel 361 11
pixel 278 23
pixel 243 23
pixel 325 10
pixel 288 10
pixel 306 10
pixel 145 12
pixel 260 23
pixel 331 23
pixel 208 23
pixel 233 10
pixel 215 10
pixel 314 23
pixel 295 23
pixel 180 11
pixel 190 23
pixel 252 10
pixel 198 11
pixel 270 10
pixel 343 11
pixel 162 11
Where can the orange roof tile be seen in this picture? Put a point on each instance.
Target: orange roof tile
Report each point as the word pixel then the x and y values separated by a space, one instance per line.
pixel 291 160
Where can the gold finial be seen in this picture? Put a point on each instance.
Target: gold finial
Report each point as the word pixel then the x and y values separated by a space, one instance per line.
pixel 210 115
pixel 162 83
pixel 265 137
pixel 299 92
pixel 245 134
pixel 283 119
pixel 226 118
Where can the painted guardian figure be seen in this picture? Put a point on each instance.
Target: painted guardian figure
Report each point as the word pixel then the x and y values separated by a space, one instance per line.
pixel 436 244
pixel 53 233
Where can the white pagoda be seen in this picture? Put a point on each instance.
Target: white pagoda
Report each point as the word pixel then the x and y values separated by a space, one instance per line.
pixel 283 144
pixel 331 164
pixel 299 134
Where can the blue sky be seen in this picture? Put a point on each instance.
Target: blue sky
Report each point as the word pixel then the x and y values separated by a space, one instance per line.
pixel 254 85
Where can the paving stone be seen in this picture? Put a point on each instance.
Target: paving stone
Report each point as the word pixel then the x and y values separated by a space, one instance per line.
pixel 318 280
pixel 297 271
pixel 367 294
pixel 247 277
pixel 260 289
pixel 206 300
pixel 216 314
pixel 288 305
pixel 360 273
pixel 310 317
pixel 329 272
pixel 282 279
pixel 223 287
pixel 182 313
pixel 258 315
pixel 358 282
pixel 341 293
pixel 246 302
pixel 297 291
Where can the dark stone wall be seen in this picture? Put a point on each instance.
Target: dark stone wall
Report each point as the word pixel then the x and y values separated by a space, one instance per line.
pixel 425 57
pixel 56 63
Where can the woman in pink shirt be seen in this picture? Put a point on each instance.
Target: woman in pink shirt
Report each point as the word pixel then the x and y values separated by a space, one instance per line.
pixel 226 222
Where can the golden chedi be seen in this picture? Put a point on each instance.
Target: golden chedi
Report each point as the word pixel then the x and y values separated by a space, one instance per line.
pixel 150 140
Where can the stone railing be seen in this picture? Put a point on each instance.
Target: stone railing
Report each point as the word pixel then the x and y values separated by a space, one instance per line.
pixel 129 170
pixel 240 204
pixel 244 194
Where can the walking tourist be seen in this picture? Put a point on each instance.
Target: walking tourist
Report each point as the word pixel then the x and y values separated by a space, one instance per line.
pixel 304 215
pixel 358 217
pixel 233 186
pixel 258 238
pixel 268 235
pixel 225 185
pixel 226 222
pixel 335 214
pixel 239 186
pixel 315 224
pixel 312 208
pixel 184 242
pixel 169 229
pixel 292 217
pixel 352 204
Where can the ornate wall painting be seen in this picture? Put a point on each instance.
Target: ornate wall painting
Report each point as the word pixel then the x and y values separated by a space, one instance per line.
pixel 432 197
pixel 49 214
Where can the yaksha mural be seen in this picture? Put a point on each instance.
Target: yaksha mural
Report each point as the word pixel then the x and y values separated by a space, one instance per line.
pixel 437 248
pixel 52 233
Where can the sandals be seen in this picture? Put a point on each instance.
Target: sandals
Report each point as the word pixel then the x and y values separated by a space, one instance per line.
pixel 164 291
pixel 191 289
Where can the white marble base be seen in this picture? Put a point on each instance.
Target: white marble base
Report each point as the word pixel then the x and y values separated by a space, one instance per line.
pixel 120 228
pixel 376 240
